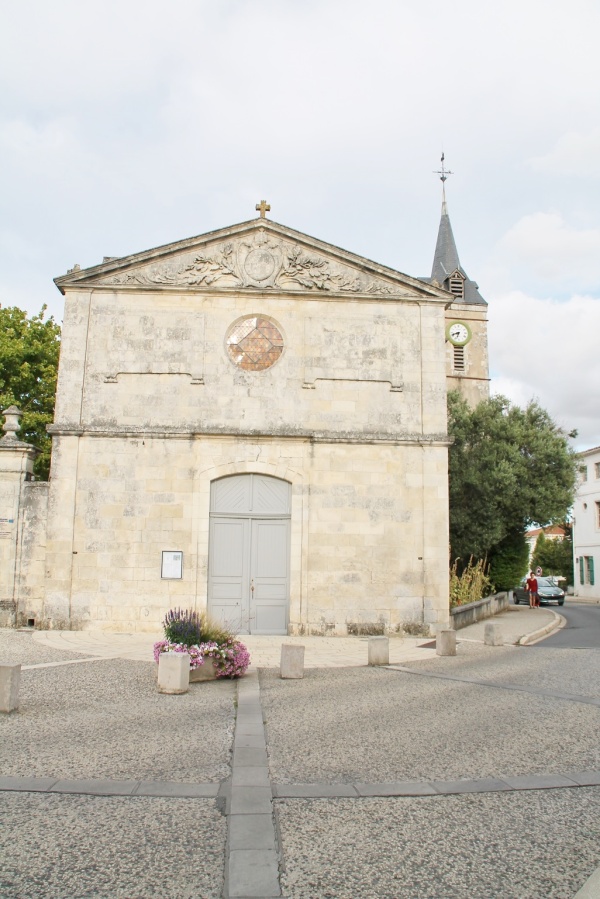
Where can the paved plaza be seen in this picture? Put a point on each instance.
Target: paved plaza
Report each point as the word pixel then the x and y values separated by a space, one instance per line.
pixel 432 778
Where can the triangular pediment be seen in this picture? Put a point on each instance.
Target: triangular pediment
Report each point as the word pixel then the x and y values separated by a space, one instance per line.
pixel 255 255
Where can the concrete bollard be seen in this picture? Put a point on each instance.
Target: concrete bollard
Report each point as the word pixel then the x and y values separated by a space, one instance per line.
pixel 445 643
pixel 10 682
pixel 379 651
pixel 292 661
pixel 173 672
pixel 492 635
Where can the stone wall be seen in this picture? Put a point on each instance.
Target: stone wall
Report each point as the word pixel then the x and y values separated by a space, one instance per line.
pixel 472 612
pixel 159 360
pixel 31 567
pixel 22 534
pixel 368 528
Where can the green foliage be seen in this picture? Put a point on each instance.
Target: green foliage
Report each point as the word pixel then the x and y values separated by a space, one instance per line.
pixel 554 557
pixel 183 627
pixel 469 583
pixel 191 628
pixel 29 349
pixel 509 468
pixel 509 560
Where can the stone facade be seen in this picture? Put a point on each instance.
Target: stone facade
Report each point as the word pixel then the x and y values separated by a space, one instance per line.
pixel 255 350
pixel 471 378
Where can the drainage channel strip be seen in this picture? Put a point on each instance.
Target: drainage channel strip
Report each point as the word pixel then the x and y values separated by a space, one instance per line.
pixel 251 867
pixel 68 662
pixel 255 820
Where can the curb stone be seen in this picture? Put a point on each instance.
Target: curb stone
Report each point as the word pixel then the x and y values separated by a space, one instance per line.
pixel 558 623
pixel 591 888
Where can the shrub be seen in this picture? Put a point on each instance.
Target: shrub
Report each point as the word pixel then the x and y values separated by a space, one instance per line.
pixel 413 629
pixel 183 627
pixel 192 628
pixel 366 628
pixel 471 584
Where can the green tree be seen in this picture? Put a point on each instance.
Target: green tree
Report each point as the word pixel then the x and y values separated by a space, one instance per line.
pixel 508 560
pixel 509 468
pixel 29 349
pixel 555 557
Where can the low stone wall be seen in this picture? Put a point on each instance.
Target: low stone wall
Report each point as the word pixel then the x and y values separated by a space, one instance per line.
pixel 462 616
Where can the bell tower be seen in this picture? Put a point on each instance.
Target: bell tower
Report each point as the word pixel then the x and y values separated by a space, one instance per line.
pixel 467 365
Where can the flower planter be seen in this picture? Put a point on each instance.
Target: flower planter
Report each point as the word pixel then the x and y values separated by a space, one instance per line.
pixel 207 671
pixel 228 659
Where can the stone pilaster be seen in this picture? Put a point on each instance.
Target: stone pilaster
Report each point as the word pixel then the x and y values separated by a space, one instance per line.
pixel 16 467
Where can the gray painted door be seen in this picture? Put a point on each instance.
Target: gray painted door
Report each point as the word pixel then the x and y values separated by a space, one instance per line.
pixel 248 583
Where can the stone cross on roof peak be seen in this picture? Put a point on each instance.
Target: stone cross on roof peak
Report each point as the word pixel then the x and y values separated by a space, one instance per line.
pixel 263 207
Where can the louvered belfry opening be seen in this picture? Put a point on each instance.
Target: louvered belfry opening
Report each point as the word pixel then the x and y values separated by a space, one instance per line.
pixel 459 358
pixel 457 286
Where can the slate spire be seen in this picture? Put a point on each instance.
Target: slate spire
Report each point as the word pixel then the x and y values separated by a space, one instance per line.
pixel 445 260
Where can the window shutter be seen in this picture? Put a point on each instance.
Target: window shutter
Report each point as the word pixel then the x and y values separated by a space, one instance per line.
pixel 581 572
pixel 591 569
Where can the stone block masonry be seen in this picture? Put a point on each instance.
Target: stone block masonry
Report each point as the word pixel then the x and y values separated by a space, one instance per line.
pixel 10 684
pixel 173 672
pixel 292 661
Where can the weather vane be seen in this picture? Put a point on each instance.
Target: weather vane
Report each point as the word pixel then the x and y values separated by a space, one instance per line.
pixel 443 173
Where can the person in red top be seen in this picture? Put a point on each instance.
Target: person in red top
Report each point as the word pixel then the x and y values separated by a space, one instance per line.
pixel 532 587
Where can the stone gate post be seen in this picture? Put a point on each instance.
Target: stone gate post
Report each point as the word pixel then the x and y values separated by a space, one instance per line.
pixel 16 468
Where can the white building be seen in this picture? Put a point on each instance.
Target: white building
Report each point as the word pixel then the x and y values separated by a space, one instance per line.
pixel 586 525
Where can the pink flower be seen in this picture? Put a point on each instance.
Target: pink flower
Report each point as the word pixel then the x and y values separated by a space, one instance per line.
pixel 231 658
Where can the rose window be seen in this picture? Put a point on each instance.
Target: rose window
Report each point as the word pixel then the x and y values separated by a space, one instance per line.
pixel 254 343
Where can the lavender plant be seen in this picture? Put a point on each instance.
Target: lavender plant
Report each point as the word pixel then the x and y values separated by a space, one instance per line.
pixel 183 627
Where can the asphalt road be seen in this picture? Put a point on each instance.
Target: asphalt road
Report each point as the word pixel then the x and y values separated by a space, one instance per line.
pixel 582 630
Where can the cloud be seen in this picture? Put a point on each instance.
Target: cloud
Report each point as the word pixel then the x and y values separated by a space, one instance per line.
pixel 546 247
pixel 575 153
pixel 548 350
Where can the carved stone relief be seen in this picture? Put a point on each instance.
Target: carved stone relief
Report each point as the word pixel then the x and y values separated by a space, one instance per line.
pixel 260 261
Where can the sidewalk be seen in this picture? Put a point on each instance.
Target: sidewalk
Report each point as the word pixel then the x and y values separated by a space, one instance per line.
pixel 517 624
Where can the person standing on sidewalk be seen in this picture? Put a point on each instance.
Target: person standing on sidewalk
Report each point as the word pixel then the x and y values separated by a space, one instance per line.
pixel 532 587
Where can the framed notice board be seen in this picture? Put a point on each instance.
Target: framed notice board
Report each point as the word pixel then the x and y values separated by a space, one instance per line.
pixel 171 564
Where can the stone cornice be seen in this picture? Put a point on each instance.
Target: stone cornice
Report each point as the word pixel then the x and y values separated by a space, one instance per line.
pixel 280 294
pixel 8 444
pixel 349 437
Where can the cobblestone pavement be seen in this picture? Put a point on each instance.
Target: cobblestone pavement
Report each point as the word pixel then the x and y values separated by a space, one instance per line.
pixel 473 776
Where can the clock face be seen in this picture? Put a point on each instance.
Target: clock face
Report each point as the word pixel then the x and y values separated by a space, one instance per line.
pixel 458 333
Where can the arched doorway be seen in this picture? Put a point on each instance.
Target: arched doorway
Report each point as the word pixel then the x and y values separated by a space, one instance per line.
pixel 249 553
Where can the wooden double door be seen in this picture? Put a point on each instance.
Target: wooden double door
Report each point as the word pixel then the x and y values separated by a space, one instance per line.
pixel 249 553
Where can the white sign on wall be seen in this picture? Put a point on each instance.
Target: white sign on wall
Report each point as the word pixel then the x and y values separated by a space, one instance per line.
pixel 172 564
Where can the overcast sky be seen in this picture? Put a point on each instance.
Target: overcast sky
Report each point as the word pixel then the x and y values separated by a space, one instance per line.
pixel 126 125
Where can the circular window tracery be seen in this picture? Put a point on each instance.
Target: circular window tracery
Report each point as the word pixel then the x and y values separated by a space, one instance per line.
pixel 254 343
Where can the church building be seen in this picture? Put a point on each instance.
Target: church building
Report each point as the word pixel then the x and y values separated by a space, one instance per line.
pixel 252 422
